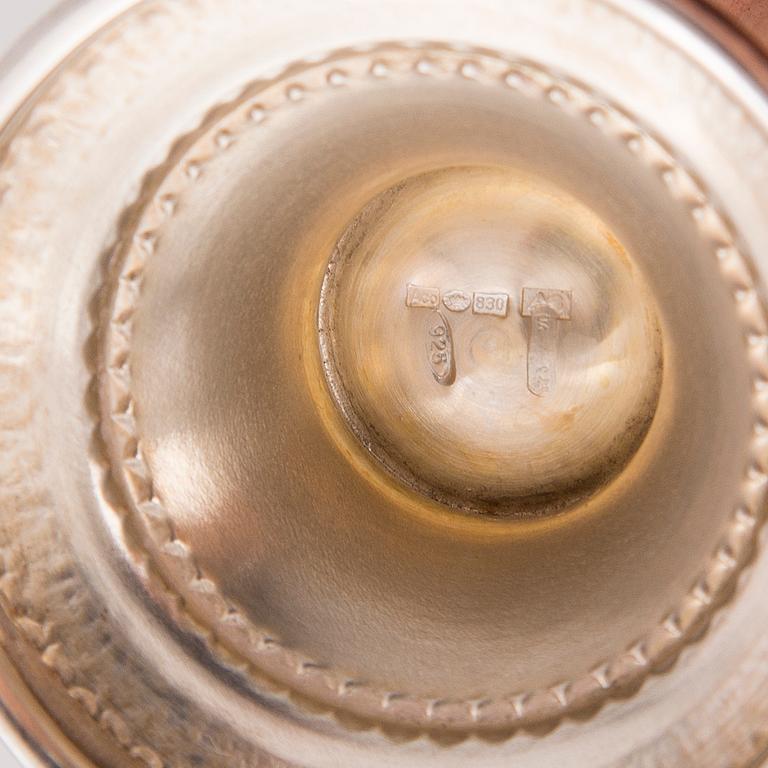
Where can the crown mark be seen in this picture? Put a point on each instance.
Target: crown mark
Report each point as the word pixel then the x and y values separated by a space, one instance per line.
pixel 545 307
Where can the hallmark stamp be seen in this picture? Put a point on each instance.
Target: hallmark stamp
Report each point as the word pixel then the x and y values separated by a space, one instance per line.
pixel 457 301
pixel 546 307
pixel 439 343
pixel 420 297
pixel 490 304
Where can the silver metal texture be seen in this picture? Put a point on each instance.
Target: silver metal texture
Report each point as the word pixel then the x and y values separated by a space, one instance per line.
pixel 384 384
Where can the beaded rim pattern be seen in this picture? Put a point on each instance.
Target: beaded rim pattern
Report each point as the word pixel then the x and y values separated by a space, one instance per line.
pixel 230 635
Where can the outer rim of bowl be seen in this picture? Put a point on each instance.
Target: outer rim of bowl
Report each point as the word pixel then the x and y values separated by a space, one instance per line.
pixel 26 727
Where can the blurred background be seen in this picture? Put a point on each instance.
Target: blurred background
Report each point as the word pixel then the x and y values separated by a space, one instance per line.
pixel 16 16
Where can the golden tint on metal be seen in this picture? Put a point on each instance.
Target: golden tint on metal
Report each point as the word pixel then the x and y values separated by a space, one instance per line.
pixel 488 442
pixel 384 393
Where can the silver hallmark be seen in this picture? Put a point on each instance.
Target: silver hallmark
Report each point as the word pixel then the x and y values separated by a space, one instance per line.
pixel 457 301
pixel 490 303
pixel 546 307
pixel 439 343
pixel 421 297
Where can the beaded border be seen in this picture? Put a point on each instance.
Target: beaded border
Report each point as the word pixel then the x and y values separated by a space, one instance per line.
pixel 231 629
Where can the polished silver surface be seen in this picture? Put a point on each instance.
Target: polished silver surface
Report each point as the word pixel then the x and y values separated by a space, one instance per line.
pixel 386 393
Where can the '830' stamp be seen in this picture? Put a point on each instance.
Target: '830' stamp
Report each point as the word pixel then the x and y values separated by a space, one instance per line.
pixel 545 307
